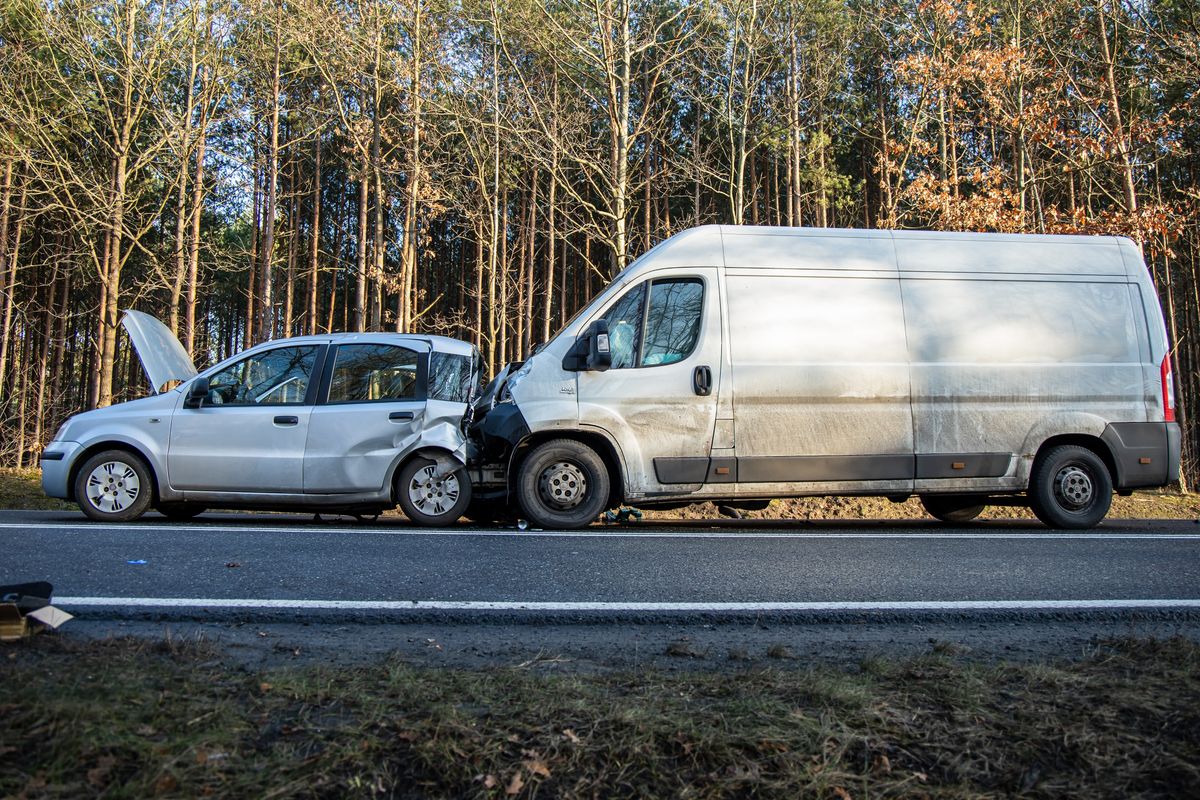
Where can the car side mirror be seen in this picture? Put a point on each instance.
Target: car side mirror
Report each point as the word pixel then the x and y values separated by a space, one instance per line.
pixel 599 356
pixel 197 393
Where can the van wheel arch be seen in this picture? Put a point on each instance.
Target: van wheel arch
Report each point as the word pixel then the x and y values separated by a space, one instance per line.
pixel 603 447
pixel 1093 443
pixel 100 447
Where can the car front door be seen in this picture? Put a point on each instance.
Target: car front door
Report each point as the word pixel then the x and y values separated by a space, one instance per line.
pixel 376 399
pixel 248 435
pixel 658 400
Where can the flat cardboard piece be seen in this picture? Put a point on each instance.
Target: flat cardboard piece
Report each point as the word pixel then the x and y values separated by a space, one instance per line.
pixel 50 616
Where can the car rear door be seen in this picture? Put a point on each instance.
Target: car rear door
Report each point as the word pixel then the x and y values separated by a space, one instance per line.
pixel 373 397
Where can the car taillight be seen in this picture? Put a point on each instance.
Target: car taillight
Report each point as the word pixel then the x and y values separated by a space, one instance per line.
pixel 1168 389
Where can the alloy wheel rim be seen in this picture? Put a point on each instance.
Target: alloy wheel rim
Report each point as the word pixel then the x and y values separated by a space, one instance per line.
pixel 431 494
pixel 113 487
pixel 563 485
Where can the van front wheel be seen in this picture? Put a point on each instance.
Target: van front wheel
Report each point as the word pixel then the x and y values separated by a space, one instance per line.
pixel 1070 488
pixel 562 484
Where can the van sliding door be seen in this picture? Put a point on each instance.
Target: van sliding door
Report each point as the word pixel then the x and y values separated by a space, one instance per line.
pixel 821 385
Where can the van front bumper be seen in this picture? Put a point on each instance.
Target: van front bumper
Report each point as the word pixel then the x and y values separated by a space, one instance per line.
pixel 1146 454
pixel 57 460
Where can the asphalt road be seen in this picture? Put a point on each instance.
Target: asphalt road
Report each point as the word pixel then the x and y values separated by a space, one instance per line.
pixel 272 562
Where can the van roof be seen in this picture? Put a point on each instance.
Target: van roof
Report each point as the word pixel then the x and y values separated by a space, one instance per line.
pixel 758 247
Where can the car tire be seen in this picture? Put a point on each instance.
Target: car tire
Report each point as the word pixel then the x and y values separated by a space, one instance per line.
pixel 1069 487
pixel 180 512
pixel 562 484
pixel 114 486
pixel 952 507
pixel 429 500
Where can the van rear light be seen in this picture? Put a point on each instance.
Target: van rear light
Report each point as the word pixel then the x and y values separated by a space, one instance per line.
pixel 1168 389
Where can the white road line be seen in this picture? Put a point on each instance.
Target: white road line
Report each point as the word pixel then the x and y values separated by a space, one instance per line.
pixel 504 605
pixel 605 533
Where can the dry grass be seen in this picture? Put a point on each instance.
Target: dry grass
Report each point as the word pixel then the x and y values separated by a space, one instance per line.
pixel 22 488
pixel 124 719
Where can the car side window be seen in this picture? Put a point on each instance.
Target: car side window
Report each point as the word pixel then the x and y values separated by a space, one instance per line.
pixel 625 328
pixel 672 321
pixel 365 373
pixel 276 377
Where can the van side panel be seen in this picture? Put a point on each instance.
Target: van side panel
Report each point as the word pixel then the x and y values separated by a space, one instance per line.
pixel 820 376
pixel 1000 363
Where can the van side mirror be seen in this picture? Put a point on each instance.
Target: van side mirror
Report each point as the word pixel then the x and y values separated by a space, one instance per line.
pixel 599 351
pixel 591 351
pixel 197 393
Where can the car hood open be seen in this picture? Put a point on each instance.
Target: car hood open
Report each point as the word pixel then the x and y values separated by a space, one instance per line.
pixel 162 356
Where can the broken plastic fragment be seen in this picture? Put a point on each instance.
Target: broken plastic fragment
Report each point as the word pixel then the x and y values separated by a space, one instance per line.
pixel 137 561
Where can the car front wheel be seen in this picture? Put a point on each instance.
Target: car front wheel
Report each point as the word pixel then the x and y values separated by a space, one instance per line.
pixel 429 497
pixel 114 486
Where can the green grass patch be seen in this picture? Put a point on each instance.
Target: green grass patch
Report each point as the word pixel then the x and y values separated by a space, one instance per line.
pixel 22 489
pixel 131 719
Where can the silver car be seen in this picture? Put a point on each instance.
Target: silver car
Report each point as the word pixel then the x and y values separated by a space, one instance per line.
pixel 348 422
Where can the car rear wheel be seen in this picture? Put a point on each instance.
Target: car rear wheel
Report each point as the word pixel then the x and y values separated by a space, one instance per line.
pixel 952 507
pixel 562 484
pixel 1070 487
pixel 430 498
pixel 114 486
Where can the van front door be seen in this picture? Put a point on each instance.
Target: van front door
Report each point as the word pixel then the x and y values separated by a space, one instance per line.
pixel 658 400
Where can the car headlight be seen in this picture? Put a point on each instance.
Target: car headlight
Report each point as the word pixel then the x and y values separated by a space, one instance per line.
pixel 61 434
pixel 511 383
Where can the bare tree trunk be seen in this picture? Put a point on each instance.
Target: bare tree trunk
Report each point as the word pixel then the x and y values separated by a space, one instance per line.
pixel 377 244
pixel 1114 112
pixel 182 195
pixel 314 265
pixel 293 245
pixel 551 220
pixel 8 269
pixel 360 275
pixel 193 274
pixel 267 261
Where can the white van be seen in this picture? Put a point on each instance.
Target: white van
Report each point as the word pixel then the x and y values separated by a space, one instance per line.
pixel 742 364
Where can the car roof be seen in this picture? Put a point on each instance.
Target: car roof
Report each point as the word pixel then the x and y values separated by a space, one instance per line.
pixel 441 344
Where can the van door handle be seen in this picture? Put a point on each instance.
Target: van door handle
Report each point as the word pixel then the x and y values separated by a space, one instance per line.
pixel 287 420
pixel 702 381
pixel 396 416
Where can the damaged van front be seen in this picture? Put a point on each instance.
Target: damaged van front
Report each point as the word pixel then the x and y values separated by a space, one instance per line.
pixel 339 422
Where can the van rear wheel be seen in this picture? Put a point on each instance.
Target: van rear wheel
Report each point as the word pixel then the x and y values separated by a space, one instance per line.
pixel 562 484
pixel 952 507
pixel 1070 487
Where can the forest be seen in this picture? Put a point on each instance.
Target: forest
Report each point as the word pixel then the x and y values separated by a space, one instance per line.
pixel 253 169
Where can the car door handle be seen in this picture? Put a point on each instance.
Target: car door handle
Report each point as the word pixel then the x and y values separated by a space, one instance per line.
pixel 400 416
pixel 702 381
pixel 287 420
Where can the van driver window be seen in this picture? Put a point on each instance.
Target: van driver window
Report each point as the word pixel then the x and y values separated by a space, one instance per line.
pixel 373 373
pixel 275 378
pixel 625 328
pixel 672 321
